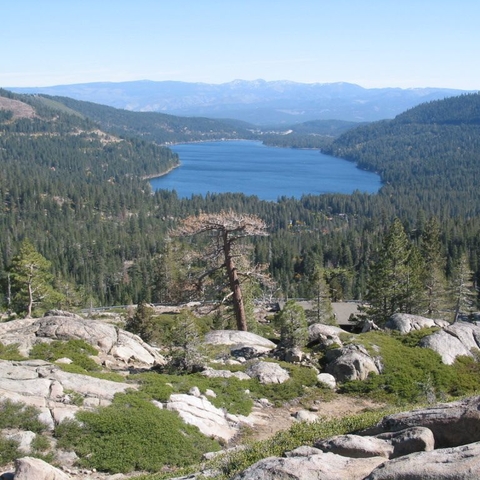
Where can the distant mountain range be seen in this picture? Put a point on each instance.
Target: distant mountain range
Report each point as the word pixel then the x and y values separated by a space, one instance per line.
pixel 258 102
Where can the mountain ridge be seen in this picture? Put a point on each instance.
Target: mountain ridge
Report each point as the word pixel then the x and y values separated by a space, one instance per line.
pixel 259 102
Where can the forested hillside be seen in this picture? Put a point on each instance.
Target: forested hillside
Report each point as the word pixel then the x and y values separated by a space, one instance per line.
pixel 77 192
pixel 158 127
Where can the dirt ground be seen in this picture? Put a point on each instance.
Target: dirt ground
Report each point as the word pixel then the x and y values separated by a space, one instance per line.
pixel 269 421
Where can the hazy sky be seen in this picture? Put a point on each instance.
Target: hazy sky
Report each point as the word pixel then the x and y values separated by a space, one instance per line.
pixel 373 43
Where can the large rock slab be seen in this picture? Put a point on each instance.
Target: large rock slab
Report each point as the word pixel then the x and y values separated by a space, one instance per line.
pixel 45 386
pixel 388 445
pixel 455 340
pixel 458 463
pixel 238 339
pixel 28 468
pixel 108 339
pixel 452 424
pixel 198 411
pixel 267 372
pixel 405 323
pixel 302 464
pixel 351 362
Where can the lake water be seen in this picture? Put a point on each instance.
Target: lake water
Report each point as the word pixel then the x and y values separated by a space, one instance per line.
pixel 254 169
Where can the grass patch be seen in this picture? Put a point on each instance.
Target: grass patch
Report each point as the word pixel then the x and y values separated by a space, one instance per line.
pixel 132 434
pixel 10 352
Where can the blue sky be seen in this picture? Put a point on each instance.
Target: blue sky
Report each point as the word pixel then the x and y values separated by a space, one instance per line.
pixel 373 43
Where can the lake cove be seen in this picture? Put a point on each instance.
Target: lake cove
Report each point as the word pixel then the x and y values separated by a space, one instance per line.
pixel 268 172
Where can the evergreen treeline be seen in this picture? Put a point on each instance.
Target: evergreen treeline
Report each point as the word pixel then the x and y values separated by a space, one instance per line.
pixel 79 195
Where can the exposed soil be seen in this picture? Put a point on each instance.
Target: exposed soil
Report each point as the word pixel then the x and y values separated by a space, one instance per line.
pixel 269 421
pixel 19 109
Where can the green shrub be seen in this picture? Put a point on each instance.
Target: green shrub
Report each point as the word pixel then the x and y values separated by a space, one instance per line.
pixel 132 434
pixel 76 350
pixel 10 352
pixel 300 377
pixel 21 416
pixel 8 451
pixel 410 374
pixel 230 391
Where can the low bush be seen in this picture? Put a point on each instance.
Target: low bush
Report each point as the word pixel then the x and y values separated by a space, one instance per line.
pixel 76 350
pixel 132 434
pixel 413 374
pixel 8 451
pixel 21 416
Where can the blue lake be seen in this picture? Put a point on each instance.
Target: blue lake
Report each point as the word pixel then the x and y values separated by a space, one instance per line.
pixel 254 169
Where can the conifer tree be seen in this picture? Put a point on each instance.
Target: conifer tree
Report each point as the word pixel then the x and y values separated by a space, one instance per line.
pixel 31 280
pixel 462 292
pixel 393 284
pixel 322 306
pixel 434 272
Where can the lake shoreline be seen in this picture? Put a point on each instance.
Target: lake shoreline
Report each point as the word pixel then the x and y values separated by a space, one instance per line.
pixel 268 172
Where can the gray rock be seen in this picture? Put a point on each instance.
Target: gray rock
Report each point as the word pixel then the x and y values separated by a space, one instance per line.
pixel 43 385
pixel 452 424
pixel 124 346
pixel 325 335
pixel 351 362
pixel 24 440
pixel 388 445
pixel 355 446
pixel 322 466
pixel 212 373
pixel 458 463
pixel 198 411
pixel 305 416
pixel 328 380
pixel 405 323
pixel 28 468
pixel 239 340
pixel 410 440
pixel 453 341
pixel 268 372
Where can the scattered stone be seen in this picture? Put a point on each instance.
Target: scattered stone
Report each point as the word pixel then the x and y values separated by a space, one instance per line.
pixel 212 373
pixel 328 380
pixel 325 335
pixel 305 416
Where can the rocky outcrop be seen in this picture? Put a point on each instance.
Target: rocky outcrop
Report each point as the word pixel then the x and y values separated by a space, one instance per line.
pixel 405 323
pixel 267 372
pixel 237 339
pixel 459 463
pixel 400 447
pixel 325 335
pixel 212 373
pixel 455 340
pixel 111 341
pixel 388 445
pixel 452 424
pixel 351 362
pixel 50 389
pixel 310 464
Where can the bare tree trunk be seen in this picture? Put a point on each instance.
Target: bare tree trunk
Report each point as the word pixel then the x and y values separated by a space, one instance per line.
pixel 30 301
pixel 234 282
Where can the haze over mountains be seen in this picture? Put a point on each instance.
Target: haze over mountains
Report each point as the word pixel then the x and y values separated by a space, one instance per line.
pixel 258 102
